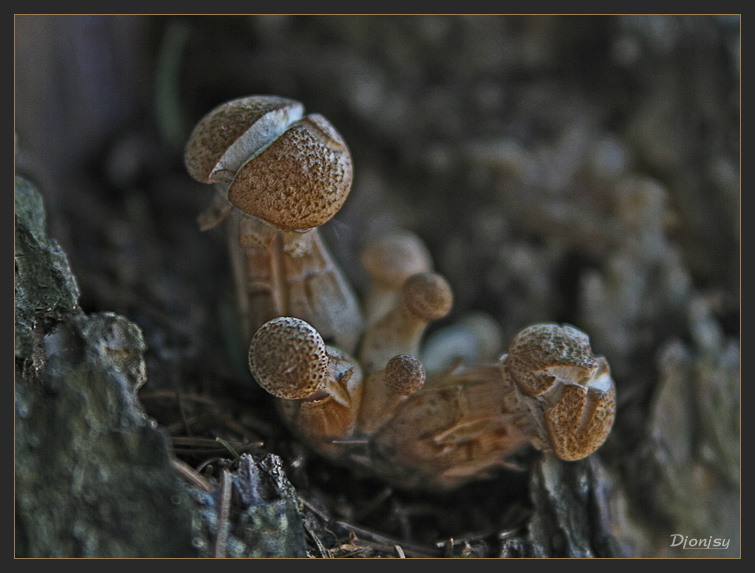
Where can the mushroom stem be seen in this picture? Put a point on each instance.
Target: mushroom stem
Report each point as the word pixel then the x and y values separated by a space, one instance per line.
pixel 291 273
pixel 389 260
pixel 459 427
pixel 424 297
pixel 318 291
pixel 386 390
pixel 327 418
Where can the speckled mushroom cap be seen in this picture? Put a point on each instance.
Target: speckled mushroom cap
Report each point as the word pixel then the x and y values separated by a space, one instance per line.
pixel 539 353
pixel 394 257
pixel 404 374
pixel 289 359
pixel 224 139
pixel 428 295
pixel 581 420
pixel 293 172
pixel 568 391
pixel 306 176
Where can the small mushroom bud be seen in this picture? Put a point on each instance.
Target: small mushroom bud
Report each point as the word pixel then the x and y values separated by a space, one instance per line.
pixel 386 390
pixel 290 360
pixel 424 297
pixel 389 260
pixel 278 174
pixel 568 392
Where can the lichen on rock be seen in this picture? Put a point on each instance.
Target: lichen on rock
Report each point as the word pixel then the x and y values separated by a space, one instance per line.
pixel 44 284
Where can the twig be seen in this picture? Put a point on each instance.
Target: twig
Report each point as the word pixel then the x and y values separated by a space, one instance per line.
pixel 324 551
pixel 191 475
pixel 221 539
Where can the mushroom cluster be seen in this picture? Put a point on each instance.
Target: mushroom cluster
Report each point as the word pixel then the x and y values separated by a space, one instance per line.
pixel 278 175
pixel 365 396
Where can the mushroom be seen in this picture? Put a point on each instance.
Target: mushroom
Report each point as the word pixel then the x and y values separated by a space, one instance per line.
pixel 278 175
pixel 389 260
pixel 424 297
pixel 320 386
pixel 568 392
pixel 386 390
pixel 474 337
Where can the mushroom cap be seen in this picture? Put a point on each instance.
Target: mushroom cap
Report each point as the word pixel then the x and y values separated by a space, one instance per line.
pixel 394 257
pixel 292 171
pixel 404 374
pixel 568 391
pixel 581 420
pixel 289 359
pixel 543 353
pixel 428 295
pixel 225 138
pixel 299 181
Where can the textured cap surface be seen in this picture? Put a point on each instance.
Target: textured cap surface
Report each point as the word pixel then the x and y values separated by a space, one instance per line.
pixel 288 358
pixel 568 391
pixel 229 134
pixel 300 180
pixel 404 374
pixel 562 350
pixel 580 421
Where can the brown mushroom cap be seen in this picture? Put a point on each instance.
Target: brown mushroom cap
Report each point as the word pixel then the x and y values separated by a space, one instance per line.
pixel 581 420
pixel 300 180
pixel 392 258
pixel 568 391
pixel 404 374
pixel 292 171
pixel 289 359
pixel 225 138
pixel 541 353
pixel 428 295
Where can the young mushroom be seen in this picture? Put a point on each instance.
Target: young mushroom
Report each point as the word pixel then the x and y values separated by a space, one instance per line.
pixel 389 260
pixel 424 297
pixel 549 391
pixel 320 387
pixel 568 392
pixel 386 390
pixel 278 175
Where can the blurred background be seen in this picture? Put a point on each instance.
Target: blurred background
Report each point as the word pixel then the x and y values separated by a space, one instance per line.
pixel 580 169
